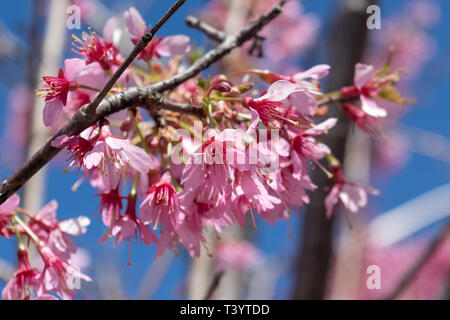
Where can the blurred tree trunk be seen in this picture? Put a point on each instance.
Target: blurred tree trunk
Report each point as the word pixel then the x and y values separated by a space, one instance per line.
pixel 51 55
pixel 347 43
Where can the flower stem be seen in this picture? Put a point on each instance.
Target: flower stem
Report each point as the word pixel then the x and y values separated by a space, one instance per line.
pixel 27 229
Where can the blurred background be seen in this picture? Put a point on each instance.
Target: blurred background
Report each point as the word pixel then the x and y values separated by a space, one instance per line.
pixel 307 256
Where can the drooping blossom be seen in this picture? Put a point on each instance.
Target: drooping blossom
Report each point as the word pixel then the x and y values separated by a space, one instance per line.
pixel 292 189
pixel 351 196
pixel 254 194
pixel 158 47
pixel 55 233
pixel 306 147
pixel 56 89
pixel 24 282
pixel 186 234
pixel 371 125
pixel 160 204
pixel 210 170
pixel 110 206
pixel 129 225
pixel 58 275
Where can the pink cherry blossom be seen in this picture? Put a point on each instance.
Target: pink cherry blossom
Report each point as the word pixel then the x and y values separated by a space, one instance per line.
pixel 158 47
pixel 58 275
pixel 112 154
pixel 366 122
pixel 128 226
pixel 160 204
pixel 110 206
pixel 92 47
pixel 210 171
pixel 24 281
pixel 365 88
pixel 186 233
pixel 56 89
pixel 316 72
pixel 306 147
pixel 351 196
pixel 57 234
pixel 272 105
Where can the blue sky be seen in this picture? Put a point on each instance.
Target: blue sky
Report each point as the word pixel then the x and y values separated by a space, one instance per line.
pixel 421 173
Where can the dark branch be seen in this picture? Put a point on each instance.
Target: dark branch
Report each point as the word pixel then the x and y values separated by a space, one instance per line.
pixel 181 107
pixel 420 263
pixel 217 35
pixel 208 30
pixel 132 97
pixel 214 285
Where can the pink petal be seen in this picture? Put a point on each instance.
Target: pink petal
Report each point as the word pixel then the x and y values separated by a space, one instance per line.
pixel 127 227
pixel 332 200
pixel 371 107
pixel 147 235
pixel 134 23
pixel 48 213
pixel 138 158
pixel 75 226
pixel 61 141
pixel 112 32
pixel 73 68
pixel 279 90
pixel 174 46
pixel 317 72
pixel 363 73
pixel 254 121
pixel 322 127
pixel 92 158
pixel 52 110
pixel 7 207
pixel 353 197
pixel 10 290
pixel 304 102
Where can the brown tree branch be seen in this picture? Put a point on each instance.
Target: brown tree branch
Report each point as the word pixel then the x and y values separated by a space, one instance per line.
pixel 213 285
pixel 181 107
pixel 208 30
pixel 132 97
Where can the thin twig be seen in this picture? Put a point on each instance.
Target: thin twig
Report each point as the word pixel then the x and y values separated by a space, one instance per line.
pixel 208 30
pixel 131 97
pixel 420 263
pixel 214 285
pixel 181 107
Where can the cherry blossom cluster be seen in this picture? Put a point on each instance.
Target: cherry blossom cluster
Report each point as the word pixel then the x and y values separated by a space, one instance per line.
pixel 163 175
pixel 130 158
pixel 55 275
